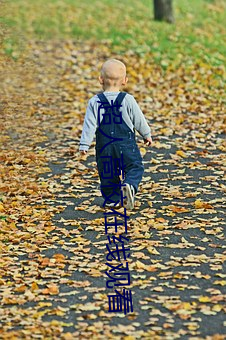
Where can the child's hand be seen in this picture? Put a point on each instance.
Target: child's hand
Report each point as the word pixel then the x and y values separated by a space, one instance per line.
pixel 148 141
pixel 83 152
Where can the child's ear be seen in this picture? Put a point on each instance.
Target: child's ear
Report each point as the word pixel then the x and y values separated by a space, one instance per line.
pixel 125 81
pixel 101 80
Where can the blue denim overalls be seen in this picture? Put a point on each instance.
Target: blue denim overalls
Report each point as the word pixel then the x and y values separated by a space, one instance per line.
pixel 116 151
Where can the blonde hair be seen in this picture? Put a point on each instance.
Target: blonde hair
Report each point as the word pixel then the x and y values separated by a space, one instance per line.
pixel 112 71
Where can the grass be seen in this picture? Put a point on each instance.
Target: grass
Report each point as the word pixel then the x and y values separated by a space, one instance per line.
pixel 197 33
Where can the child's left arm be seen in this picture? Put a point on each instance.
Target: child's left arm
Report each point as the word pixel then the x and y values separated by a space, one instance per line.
pixel 140 123
pixel 148 141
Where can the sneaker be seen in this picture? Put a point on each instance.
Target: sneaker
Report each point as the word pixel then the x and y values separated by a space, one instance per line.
pixel 128 192
pixel 112 205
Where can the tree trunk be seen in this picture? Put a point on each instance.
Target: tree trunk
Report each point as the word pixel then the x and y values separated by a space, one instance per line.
pixel 163 10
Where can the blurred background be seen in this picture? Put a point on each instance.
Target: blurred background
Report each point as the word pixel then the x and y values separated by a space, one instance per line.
pixel 194 29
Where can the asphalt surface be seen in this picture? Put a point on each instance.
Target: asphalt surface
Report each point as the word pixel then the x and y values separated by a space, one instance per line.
pixel 190 245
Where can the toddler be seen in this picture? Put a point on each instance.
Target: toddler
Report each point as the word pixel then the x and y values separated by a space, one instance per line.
pixel 114 116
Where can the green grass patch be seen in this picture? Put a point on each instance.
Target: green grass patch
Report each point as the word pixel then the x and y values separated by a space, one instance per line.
pixel 198 30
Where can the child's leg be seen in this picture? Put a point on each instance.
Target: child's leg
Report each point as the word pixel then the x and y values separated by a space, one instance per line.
pixel 109 182
pixel 110 190
pixel 134 168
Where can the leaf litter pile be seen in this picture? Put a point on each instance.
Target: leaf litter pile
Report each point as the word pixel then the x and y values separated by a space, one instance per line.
pixel 52 240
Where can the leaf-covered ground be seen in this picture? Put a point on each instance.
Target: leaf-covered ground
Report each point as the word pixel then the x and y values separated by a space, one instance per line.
pixel 52 240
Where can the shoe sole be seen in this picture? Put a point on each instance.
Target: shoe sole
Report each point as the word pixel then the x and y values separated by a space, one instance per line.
pixel 128 202
pixel 113 207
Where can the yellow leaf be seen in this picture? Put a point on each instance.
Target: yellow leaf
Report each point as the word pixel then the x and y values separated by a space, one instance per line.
pixel 20 289
pixel 59 313
pixel 153 251
pixel 34 286
pixel 38 315
pixel 181 153
pixel 77 239
pixel 143 151
pixel 193 326
pixel 67 336
pixel 200 204
pixel 187 305
pixel 59 257
pixel 218 282
pixel 45 261
pixel 140 265
pixel 155 161
pixel 158 289
pixel 204 299
pixel 217 308
pixel 27 160
pixel 160 227
pixel 53 289
pixel 55 322
pixel 177 209
pixel 44 304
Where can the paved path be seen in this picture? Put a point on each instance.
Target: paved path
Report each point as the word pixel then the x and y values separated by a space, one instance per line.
pixel 176 239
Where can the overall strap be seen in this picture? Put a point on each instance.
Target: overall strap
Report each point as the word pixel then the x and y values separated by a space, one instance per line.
pixel 102 98
pixel 107 105
pixel 119 98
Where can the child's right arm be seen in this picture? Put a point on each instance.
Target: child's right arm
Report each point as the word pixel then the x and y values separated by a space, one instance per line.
pixel 89 129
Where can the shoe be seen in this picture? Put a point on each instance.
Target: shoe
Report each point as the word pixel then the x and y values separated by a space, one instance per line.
pixel 129 193
pixel 112 205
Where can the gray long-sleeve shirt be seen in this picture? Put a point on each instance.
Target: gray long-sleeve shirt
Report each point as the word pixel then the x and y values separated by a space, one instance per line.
pixel 131 114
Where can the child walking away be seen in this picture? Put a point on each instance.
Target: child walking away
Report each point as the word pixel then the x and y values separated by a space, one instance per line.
pixel 114 116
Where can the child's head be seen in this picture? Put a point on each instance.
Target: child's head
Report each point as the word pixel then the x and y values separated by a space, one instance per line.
pixel 113 75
